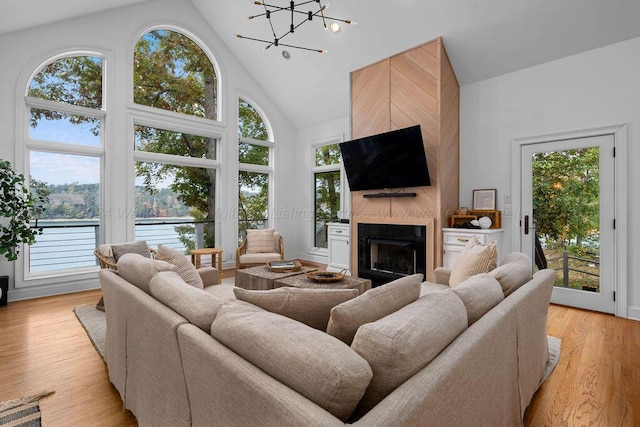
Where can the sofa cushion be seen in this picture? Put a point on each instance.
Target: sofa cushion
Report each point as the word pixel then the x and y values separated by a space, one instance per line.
pixel 260 241
pixel 511 276
pixel 196 305
pixel 260 258
pixel 479 293
pixel 476 258
pixel 316 365
pixel 309 306
pixel 185 268
pixel 372 305
pixel 518 258
pixel 402 343
pixel 138 270
pixel 139 247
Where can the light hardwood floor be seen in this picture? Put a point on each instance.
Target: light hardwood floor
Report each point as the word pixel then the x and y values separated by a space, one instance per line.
pixel 43 347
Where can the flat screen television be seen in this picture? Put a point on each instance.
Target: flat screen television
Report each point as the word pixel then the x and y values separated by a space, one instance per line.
pixel 393 159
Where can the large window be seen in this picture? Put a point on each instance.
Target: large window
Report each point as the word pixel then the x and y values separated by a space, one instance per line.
pixel 327 186
pixel 175 187
pixel 171 72
pixel 64 156
pixel 254 175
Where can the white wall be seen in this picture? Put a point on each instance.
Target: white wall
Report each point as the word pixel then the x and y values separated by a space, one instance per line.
pixel 593 89
pixel 115 33
pixel 306 138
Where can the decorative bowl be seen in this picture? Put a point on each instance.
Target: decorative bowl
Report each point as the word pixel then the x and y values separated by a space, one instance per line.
pixel 326 276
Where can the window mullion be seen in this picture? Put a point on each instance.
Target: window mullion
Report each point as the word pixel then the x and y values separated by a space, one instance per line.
pixel 146 156
pixel 66 108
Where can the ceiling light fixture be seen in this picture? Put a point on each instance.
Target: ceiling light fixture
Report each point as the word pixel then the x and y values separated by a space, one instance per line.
pixel 294 10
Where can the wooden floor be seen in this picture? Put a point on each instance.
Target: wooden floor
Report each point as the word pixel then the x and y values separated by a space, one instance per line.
pixel 43 347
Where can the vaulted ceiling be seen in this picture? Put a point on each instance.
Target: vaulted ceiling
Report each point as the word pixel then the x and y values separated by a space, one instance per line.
pixel 484 39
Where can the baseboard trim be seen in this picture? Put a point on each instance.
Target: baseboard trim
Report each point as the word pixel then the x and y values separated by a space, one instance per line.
pixel 51 290
pixel 633 313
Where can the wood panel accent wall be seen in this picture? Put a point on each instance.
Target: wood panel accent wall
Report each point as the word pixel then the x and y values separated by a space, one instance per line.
pixel 417 86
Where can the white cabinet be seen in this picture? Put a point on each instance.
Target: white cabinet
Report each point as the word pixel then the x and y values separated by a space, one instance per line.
pixel 455 239
pixel 338 242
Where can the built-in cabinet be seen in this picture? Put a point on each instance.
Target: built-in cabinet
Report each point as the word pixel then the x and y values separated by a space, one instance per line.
pixel 454 241
pixel 339 248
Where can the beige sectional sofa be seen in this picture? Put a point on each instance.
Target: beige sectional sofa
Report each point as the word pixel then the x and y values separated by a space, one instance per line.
pixel 432 355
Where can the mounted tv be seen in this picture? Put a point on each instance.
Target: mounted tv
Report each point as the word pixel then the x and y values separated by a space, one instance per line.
pixel 393 159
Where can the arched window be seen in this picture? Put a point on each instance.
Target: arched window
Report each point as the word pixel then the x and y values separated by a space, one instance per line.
pixel 171 72
pixel 176 156
pixel 255 169
pixel 64 149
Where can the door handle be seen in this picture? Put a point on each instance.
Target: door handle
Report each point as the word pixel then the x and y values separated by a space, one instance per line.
pixel 526 224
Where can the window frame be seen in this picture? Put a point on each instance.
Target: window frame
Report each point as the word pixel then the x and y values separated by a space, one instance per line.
pixel 345 194
pixel 25 145
pixel 264 169
pixel 197 121
pixel 143 115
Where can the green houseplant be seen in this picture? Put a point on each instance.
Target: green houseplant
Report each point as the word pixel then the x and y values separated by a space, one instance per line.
pixel 18 207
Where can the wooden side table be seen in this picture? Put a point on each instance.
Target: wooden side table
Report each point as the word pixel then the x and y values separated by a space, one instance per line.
pixel 216 258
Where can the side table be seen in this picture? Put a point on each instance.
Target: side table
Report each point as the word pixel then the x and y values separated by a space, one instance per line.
pixel 216 255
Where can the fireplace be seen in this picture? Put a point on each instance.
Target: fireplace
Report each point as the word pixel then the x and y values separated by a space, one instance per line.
pixel 388 251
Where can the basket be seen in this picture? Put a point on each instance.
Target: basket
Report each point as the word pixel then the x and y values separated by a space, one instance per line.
pixel 284 266
pixel 326 276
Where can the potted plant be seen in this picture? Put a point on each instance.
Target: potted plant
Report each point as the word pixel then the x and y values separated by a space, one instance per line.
pixel 19 206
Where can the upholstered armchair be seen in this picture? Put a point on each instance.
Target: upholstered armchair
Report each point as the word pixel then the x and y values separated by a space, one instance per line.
pixel 259 247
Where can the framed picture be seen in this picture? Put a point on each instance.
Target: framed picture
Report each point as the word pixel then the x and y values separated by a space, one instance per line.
pixel 484 200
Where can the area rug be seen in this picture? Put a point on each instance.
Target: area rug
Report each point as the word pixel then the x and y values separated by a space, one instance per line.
pixel 94 323
pixel 554 356
pixel 22 412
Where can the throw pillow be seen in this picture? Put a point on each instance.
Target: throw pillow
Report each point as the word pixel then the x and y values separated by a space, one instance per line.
pixel 511 276
pixel 185 268
pixel 309 306
pixel 479 293
pixel 260 241
pixel 139 270
pixel 139 247
pixel 346 318
pixel 196 305
pixel 404 342
pixel 476 258
pixel 316 365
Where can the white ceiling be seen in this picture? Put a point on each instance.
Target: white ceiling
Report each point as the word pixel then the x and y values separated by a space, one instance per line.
pixel 483 39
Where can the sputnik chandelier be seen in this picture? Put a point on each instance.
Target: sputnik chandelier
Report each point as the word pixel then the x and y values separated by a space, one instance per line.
pixel 295 11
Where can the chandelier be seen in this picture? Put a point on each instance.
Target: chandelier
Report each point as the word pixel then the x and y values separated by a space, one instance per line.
pixel 298 17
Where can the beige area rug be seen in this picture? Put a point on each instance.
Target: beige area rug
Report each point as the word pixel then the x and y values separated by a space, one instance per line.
pixel 22 412
pixel 554 356
pixel 94 323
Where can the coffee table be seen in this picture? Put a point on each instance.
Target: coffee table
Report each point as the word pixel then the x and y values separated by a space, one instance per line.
pixel 261 278
pixel 302 281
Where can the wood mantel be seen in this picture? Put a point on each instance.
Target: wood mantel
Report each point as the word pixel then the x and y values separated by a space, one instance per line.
pixel 417 86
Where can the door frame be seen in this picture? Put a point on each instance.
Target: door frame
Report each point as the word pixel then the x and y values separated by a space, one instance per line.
pixel 619 133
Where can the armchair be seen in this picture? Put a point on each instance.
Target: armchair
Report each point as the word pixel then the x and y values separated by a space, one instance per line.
pixel 256 248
